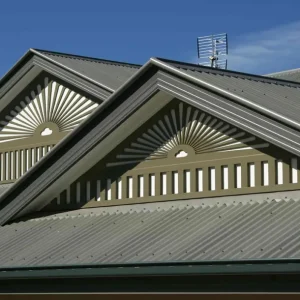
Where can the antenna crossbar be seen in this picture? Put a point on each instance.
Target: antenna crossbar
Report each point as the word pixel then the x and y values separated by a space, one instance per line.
pixel 212 47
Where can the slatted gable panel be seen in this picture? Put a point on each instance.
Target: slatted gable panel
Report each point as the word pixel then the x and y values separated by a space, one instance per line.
pixel 183 153
pixel 37 120
pixel 184 125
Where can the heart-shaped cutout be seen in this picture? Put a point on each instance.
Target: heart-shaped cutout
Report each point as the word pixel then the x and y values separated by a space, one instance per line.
pixel 180 154
pixel 46 131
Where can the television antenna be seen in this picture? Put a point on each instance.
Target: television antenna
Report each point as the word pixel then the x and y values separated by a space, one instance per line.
pixel 215 48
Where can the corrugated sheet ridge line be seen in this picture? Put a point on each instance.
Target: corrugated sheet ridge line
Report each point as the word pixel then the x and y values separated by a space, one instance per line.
pixel 87 59
pixel 280 98
pixel 111 75
pixel 292 75
pixel 98 211
pixel 232 86
pixel 218 232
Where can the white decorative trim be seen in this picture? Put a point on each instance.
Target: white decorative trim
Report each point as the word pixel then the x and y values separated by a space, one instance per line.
pixel 130 187
pixel 187 175
pixel 294 164
pixel 186 125
pixel 238 170
pixel 175 183
pixel 141 186
pixel 200 180
pixel 119 188
pixel 265 173
pixel 108 188
pixel 279 171
pixel 252 174
pixel 164 183
pixel 212 172
pixel 52 103
pixel 152 185
pixel 225 178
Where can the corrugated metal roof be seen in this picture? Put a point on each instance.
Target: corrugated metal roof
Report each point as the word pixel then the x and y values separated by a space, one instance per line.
pixel 278 96
pixel 292 75
pixel 265 229
pixel 109 73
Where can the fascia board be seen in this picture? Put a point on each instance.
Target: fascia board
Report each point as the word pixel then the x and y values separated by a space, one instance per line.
pixel 155 269
pixel 241 116
pixel 15 67
pixel 73 79
pixel 225 93
pixel 33 59
pixel 71 70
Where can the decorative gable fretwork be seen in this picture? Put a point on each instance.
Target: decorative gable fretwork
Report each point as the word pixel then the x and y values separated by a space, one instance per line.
pixel 182 153
pixel 186 126
pixel 35 122
pixel 53 103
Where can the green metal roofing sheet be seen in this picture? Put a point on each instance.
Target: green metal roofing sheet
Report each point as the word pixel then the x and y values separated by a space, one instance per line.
pixel 292 75
pixel 109 73
pixel 195 231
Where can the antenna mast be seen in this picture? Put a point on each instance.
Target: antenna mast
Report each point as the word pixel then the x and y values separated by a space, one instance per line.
pixel 212 47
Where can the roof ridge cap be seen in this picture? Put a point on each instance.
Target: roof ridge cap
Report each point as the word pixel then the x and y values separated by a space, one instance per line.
pixel 283 72
pixel 254 77
pixel 87 58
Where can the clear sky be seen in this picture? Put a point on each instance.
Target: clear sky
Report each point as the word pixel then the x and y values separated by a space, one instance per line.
pixel 264 35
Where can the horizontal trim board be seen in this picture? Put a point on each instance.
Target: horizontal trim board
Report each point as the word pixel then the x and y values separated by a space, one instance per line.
pixel 254 77
pixel 199 195
pixel 171 269
pixel 220 284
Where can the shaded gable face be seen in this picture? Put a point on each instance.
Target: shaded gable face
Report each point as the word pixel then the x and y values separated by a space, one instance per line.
pixel 181 152
pixel 36 120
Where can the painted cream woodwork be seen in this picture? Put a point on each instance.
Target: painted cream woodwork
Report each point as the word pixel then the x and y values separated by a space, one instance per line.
pixel 186 126
pixel 36 123
pixel 181 153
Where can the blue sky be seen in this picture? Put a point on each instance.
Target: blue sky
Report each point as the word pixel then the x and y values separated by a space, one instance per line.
pixel 264 36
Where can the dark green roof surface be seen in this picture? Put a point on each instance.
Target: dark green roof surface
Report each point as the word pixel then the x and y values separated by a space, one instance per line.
pixel 190 230
pixel 292 75
pixel 109 73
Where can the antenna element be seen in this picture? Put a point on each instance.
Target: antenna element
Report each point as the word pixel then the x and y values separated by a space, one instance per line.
pixel 212 47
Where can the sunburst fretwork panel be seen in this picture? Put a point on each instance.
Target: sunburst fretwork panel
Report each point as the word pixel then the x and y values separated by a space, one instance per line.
pixel 183 153
pixel 50 103
pixel 35 122
pixel 185 126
